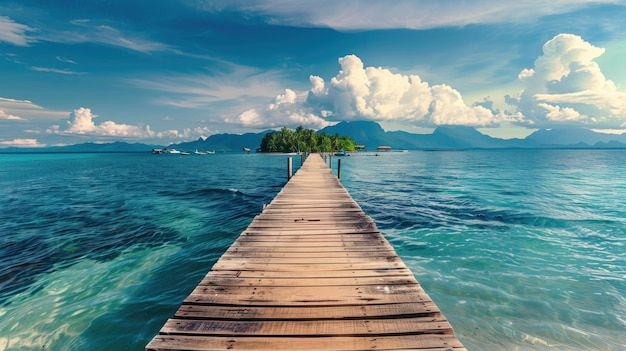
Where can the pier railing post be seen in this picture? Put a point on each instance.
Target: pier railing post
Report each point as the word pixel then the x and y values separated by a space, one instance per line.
pixel 289 168
pixel 338 168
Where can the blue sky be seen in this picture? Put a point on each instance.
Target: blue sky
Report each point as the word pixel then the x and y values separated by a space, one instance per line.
pixel 175 70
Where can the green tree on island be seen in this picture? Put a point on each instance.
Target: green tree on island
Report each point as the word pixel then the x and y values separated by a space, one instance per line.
pixel 305 140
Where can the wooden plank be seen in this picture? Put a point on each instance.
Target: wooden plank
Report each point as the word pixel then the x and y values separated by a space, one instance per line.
pixel 304 255
pixel 309 231
pixel 315 251
pixel 293 234
pixel 304 296
pixel 346 244
pixel 396 342
pixel 297 239
pixel 360 327
pixel 301 282
pixel 398 310
pixel 313 275
pixel 221 265
pixel 278 210
pixel 379 260
pixel 311 272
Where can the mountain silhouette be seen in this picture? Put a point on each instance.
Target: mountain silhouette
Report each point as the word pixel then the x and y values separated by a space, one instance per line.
pixel 449 137
pixel 371 135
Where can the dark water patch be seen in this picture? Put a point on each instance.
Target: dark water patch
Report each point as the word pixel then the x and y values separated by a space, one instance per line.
pixel 389 213
pixel 20 262
pixel 162 292
pixel 24 257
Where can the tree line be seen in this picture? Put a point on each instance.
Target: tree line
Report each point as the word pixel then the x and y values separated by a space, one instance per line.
pixel 305 140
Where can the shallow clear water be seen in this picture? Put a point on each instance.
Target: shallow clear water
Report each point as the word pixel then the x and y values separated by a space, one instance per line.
pixel 522 250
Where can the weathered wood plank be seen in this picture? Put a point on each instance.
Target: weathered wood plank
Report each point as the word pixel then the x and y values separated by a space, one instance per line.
pixel 361 327
pixel 221 265
pixel 379 260
pixel 305 296
pixel 349 251
pixel 313 275
pixel 399 310
pixel 349 245
pixel 302 282
pixel 253 252
pixel 298 235
pixel 308 231
pixel 397 342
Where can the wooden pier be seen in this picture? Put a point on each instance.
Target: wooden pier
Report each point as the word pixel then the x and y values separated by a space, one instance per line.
pixel 311 272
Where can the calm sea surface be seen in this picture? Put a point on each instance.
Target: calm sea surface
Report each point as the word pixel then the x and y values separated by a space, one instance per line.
pixel 521 249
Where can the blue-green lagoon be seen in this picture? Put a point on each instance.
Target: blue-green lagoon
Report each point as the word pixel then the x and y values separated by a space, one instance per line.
pixel 521 249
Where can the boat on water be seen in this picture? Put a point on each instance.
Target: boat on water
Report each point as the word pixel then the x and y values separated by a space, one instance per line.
pixel 204 152
pixel 246 149
pixel 172 151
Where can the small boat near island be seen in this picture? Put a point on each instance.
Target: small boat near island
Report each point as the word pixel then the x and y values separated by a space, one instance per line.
pixel 204 152
pixel 182 153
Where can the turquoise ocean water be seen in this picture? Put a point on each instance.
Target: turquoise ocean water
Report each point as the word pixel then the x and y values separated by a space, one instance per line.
pixel 521 249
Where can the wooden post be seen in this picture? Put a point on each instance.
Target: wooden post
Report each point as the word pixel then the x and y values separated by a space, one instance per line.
pixel 338 168
pixel 289 172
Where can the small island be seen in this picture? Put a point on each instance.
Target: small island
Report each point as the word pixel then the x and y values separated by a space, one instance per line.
pixel 305 140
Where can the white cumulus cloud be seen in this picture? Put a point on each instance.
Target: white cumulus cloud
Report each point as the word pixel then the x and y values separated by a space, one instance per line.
pixel 22 143
pixel 81 123
pixel 186 133
pixel 5 115
pixel 287 109
pixel 369 93
pixel 566 86
pixel 378 94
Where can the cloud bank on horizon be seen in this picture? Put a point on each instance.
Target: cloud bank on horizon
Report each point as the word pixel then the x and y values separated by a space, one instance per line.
pixel 562 84
pixel 565 87
pixel 81 122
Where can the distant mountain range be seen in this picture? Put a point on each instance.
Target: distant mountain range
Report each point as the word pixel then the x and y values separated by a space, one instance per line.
pixel 117 146
pixel 372 135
